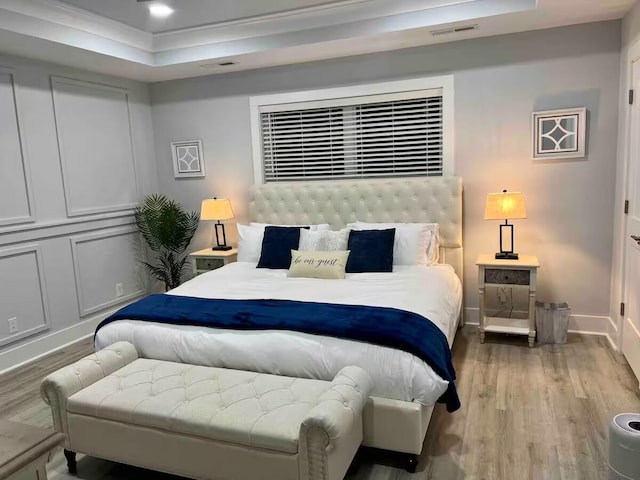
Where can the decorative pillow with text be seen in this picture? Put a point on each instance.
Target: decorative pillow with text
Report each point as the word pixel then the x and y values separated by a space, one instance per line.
pixel 312 264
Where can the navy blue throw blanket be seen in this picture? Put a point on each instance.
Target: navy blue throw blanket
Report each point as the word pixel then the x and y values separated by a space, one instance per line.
pixel 387 327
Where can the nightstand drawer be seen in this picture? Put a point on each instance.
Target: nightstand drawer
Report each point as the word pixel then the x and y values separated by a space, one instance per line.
pixel 209 263
pixel 503 276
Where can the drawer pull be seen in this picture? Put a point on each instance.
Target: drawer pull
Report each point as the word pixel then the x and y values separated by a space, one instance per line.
pixel 636 238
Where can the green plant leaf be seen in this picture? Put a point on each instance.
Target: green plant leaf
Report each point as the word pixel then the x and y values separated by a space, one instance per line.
pixel 167 228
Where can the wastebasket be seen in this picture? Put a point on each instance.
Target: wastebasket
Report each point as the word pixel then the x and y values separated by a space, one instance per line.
pixel 552 322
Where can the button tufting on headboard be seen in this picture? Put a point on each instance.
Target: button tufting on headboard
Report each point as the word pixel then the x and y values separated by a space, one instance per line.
pixel 432 200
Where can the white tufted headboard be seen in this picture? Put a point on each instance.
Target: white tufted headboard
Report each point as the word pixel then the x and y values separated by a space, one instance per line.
pixel 433 200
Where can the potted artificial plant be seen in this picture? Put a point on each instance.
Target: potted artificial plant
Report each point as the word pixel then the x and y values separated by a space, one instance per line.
pixel 167 229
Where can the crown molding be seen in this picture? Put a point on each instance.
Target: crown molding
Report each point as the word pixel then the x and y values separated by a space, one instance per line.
pixel 64 15
pixel 343 12
pixel 52 31
pixel 59 16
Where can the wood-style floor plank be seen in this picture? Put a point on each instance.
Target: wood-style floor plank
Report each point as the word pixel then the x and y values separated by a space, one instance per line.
pixel 538 413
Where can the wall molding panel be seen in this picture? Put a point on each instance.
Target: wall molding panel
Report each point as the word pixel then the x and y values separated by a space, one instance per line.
pixel 44 230
pixel 31 351
pixel 76 157
pixel 96 154
pixel 35 251
pixel 21 146
pixel 86 306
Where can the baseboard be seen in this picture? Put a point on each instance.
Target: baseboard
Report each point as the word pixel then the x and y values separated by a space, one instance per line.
pixel 40 347
pixel 471 315
pixel 582 324
pixel 612 335
pixel 589 324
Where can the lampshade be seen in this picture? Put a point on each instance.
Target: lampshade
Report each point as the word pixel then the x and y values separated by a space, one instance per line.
pixel 216 209
pixel 505 206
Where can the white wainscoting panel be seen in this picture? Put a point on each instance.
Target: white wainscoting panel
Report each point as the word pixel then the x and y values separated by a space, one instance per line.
pixel 95 141
pixel 16 201
pixel 37 348
pixel 24 293
pixel 102 260
pixel 60 228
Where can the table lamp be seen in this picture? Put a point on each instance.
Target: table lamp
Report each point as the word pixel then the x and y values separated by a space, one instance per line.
pixel 217 209
pixel 507 206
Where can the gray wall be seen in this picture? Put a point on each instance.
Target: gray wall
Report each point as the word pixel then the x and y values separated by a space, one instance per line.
pixel 75 157
pixel 499 81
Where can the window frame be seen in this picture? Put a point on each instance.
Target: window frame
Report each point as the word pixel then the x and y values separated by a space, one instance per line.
pixel 444 83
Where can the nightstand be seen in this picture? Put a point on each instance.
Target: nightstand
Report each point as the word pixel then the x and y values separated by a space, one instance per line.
pixel 206 260
pixel 518 274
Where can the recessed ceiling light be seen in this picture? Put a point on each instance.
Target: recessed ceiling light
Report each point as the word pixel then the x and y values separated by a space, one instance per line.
pixel 160 10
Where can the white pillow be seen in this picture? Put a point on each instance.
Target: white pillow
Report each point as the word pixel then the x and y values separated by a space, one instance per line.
pixel 433 247
pixel 323 240
pixel 413 243
pixel 249 243
pixel 313 228
pixel 433 250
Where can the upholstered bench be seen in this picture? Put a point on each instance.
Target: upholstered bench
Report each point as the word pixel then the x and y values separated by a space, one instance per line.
pixel 205 422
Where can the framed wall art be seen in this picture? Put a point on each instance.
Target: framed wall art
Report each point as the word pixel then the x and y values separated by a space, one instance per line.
pixel 188 161
pixel 559 134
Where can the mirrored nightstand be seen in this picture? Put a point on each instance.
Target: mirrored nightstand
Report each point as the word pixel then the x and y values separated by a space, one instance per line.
pixel 515 274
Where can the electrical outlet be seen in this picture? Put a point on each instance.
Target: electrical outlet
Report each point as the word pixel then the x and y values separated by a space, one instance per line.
pixel 13 325
pixel 120 289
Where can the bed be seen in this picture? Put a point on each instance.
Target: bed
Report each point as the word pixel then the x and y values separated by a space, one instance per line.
pixel 405 388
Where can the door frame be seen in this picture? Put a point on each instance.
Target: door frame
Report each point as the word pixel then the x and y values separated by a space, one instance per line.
pixel 620 236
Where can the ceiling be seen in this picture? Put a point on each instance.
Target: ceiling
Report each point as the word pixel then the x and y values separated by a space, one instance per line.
pixel 190 13
pixel 118 37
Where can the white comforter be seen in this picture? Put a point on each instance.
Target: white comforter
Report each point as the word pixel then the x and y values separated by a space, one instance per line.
pixel 433 292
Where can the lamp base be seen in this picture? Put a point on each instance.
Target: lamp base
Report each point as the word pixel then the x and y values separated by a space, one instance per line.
pixel 222 248
pixel 506 256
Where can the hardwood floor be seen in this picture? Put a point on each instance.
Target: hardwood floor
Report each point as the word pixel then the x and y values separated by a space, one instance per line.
pixel 538 413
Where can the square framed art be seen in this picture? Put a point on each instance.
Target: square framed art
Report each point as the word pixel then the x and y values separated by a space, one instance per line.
pixel 559 134
pixel 188 161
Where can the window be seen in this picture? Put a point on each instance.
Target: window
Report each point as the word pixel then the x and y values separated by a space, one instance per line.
pixel 353 135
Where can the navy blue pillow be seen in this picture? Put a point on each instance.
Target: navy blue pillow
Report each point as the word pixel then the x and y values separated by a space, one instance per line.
pixel 371 251
pixel 277 244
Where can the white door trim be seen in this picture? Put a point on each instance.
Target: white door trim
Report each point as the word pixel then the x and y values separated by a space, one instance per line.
pixel 622 240
pixel 620 236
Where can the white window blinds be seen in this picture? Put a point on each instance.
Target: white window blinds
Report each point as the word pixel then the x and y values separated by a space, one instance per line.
pixel 391 135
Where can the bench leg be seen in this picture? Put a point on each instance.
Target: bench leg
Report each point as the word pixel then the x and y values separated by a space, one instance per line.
pixel 411 463
pixel 71 461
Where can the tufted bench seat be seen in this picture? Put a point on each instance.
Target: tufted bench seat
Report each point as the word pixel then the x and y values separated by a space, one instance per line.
pixel 206 422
